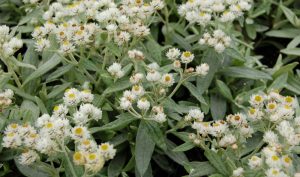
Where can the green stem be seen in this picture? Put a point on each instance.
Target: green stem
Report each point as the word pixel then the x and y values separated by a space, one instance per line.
pixel 68 160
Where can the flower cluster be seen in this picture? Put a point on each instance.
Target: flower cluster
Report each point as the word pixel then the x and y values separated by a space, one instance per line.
pixel 51 134
pixel 186 57
pixel 221 133
pixel 76 23
pixel 276 113
pixel 150 88
pixel 218 40
pixel 203 12
pixel 6 98
pixel 8 44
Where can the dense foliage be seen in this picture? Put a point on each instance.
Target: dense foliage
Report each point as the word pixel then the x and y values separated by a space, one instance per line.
pixel 149 88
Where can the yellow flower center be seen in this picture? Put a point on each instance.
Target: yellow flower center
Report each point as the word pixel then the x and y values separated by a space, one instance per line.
pixel 14 126
pixel 56 108
pixel 271 106
pixel 167 78
pixel 78 131
pixel 77 156
pixel 92 156
pixel 11 134
pixel 258 98
pixel 187 54
pixel 287 160
pixel 289 99
pixel 86 142
pixel 71 96
pixel 136 88
pixel 252 111
pixel 275 158
pixel 104 147
pixel 275 172
pixel 86 91
pixel 49 125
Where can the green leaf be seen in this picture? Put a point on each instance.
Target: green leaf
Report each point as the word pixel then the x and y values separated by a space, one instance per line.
pixel 116 165
pixel 22 64
pixel 284 33
pixel 32 108
pixel 59 72
pixel 285 69
pixel 20 92
pixel 181 41
pixel 291 51
pixel 114 49
pixel 50 64
pixel 118 86
pixel 293 84
pixel 122 121
pixel 196 169
pixel 154 50
pixel 244 72
pixel 39 169
pixel 290 15
pixel 224 90
pixel 58 90
pixel 214 61
pixel 218 106
pixel 279 82
pixel 155 133
pixel 178 157
pixel 195 92
pixel 294 43
pixel 41 105
pixel 143 149
pixel 217 162
pixel 184 147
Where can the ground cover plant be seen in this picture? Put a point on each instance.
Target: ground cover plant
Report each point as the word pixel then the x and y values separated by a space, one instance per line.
pixel 148 88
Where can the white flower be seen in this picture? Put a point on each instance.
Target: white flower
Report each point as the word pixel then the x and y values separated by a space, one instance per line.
pixel 125 103
pixel 196 114
pixel 27 158
pixel 157 4
pixel 218 128
pixel 257 100
pixel 160 117
pixel 46 145
pixel 94 161
pixel 71 97
pixel 116 70
pixel 173 54
pixel 274 161
pixel 136 78
pixel 143 104
pixel 60 110
pixel 254 162
pixel 274 172
pixel 153 76
pixel 187 57
pixel 80 133
pixel 42 44
pixel 86 96
pixel 202 69
pixel 107 151
pixel 255 114
pixel 219 47
pixel 153 66
pixel 87 146
pixel 227 140
pixel 136 54
pixel 91 111
pixel 167 80
pixel 270 137
pixel 138 90
pixel 238 172
pixel 11 140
